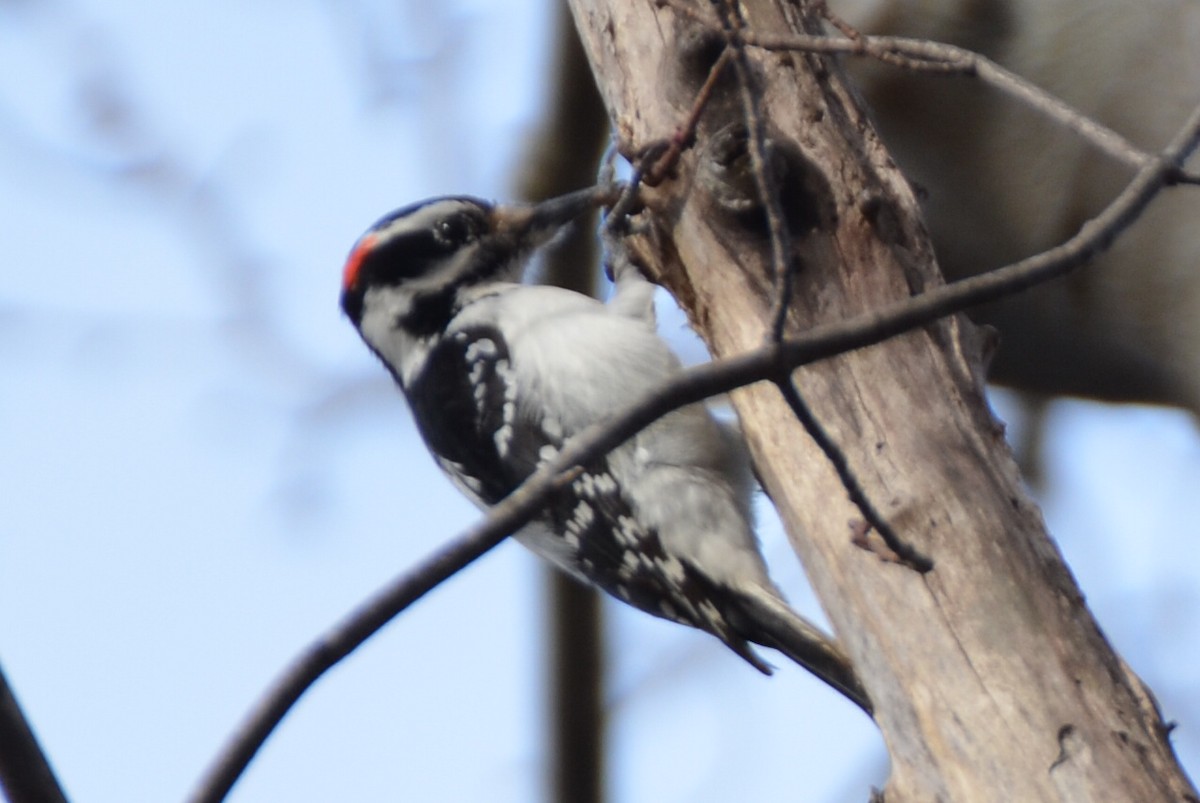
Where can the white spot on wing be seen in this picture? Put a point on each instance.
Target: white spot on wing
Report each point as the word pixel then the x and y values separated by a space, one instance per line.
pixel 508 413
pixel 480 347
pixel 595 486
pixel 672 569
pixel 627 532
pixel 581 518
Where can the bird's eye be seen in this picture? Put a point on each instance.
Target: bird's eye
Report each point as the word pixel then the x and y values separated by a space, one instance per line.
pixel 455 231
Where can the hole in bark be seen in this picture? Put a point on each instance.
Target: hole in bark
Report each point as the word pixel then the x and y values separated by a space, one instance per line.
pixel 726 172
pixel 698 49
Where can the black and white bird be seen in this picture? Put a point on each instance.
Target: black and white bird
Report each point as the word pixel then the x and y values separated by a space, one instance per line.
pixel 500 375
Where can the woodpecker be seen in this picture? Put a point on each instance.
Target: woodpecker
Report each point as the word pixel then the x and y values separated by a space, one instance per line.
pixel 499 376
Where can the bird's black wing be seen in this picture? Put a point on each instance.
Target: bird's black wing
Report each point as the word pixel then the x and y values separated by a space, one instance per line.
pixel 464 403
pixel 468 408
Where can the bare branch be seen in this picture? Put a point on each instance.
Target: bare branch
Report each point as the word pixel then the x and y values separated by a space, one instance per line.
pixel 904 552
pixel 944 59
pixel 691 386
pixel 782 270
pixel 682 139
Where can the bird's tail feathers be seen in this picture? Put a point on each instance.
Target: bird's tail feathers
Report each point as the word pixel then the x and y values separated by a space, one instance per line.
pixel 770 622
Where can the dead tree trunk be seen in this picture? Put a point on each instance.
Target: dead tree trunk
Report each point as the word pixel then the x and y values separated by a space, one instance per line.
pixel 990 678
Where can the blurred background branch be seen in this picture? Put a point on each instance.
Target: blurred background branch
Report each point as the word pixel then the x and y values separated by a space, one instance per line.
pixel 562 156
pixel 25 773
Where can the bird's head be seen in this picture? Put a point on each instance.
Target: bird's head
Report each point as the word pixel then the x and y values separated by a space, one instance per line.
pixel 414 262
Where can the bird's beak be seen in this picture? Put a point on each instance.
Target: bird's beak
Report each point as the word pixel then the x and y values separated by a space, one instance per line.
pixel 534 224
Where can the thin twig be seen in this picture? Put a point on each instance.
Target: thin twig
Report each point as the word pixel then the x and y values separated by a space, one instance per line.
pixel 691 386
pixel 734 27
pixel 849 31
pixel 904 551
pixel 618 215
pixel 944 59
pixel 764 179
pixel 686 133
pixel 615 223
pixel 1020 89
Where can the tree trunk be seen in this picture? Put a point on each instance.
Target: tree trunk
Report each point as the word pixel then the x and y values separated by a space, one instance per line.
pixel 991 680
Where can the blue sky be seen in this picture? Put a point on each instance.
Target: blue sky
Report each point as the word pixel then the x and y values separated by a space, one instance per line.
pixel 203 468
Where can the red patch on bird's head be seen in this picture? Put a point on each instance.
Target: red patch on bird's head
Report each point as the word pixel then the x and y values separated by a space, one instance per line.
pixel 355 260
